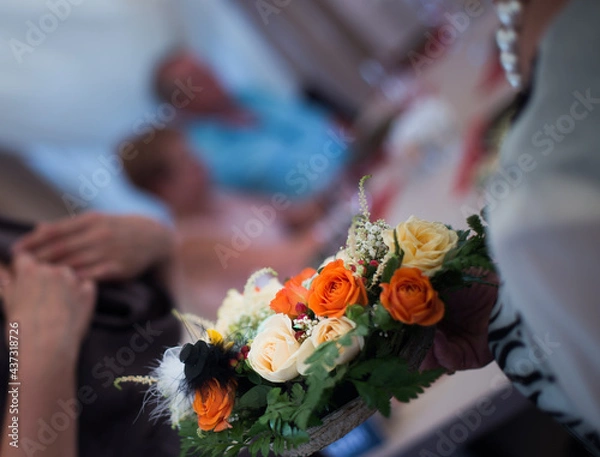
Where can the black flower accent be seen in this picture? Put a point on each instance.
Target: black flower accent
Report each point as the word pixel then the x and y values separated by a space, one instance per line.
pixel 194 356
pixel 204 361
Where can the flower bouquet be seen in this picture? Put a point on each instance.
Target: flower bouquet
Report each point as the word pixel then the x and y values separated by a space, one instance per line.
pixel 289 368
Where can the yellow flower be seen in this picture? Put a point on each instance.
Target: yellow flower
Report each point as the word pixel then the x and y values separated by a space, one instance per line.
pixel 425 244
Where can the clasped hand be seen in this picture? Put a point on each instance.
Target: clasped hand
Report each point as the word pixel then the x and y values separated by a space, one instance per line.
pixel 100 246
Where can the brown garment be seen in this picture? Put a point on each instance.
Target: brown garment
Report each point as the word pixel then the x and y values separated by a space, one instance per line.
pixel 132 326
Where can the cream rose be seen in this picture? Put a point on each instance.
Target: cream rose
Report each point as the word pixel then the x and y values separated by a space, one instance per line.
pixel 274 351
pixel 425 244
pixel 330 330
pixel 253 303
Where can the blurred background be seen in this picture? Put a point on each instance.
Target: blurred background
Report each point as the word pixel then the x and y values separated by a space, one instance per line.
pixel 246 125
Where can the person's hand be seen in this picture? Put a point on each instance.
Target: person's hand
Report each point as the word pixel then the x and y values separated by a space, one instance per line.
pixel 50 304
pixel 461 338
pixel 100 246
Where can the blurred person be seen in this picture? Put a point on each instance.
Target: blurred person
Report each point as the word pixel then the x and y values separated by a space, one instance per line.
pixel 76 77
pixel 77 329
pixel 223 237
pixel 49 345
pixel 101 247
pixel 253 139
pixel 544 329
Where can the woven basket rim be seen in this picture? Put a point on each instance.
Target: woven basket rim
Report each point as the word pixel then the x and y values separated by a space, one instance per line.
pixel 335 426
pixel 343 420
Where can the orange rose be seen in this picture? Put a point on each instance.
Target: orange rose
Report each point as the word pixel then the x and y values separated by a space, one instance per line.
pixel 334 290
pixel 410 298
pixel 213 405
pixel 293 297
pixel 305 274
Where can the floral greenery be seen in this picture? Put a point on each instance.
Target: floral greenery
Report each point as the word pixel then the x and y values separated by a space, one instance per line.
pixel 470 253
pixel 277 416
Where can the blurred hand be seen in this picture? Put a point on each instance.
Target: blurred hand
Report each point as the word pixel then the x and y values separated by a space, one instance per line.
pixel 461 338
pixel 100 246
pixel 51 305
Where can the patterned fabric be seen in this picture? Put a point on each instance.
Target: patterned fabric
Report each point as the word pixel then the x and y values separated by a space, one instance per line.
pixel 544 212
pixel 523 358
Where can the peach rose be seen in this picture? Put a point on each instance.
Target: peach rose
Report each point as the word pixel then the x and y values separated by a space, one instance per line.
pixel 334 289
pixel 294 296
pixel 330 330
pixel 213 404
pixel 273 352
pixel 425 244
pixel 410 298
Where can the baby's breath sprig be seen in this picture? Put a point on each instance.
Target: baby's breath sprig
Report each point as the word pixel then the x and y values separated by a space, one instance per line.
pixel 303 325
pixel 143 380
pixel 362 198
pixel 365 245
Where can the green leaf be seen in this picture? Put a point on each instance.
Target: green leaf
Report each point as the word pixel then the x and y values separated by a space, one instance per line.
pixel 415 383
pixel 374 397
pixel 255 398
pixel 398 250
pixel 322 359
pixel 254 448
pixel 476 225
pixel 390 268
pixel 383 320
pixel 355 312
pixel 265 448
pixel 254 377
pixel 377 380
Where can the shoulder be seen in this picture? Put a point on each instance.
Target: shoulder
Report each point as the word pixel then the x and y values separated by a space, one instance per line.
pixel 549 172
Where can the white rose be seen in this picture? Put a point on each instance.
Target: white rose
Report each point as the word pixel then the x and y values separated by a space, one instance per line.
pixel 274 351
pixel 330 330
pixel 260 298
pixel 425 244
pixel 230 311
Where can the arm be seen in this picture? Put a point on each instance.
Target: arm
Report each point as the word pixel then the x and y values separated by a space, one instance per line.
pixel 53 309
pixel 101 246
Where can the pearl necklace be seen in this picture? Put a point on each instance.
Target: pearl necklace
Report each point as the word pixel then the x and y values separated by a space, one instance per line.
pixel 510 14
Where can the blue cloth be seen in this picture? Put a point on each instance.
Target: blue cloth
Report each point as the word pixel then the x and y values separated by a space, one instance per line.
pixel 291 148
